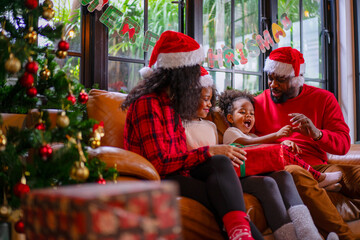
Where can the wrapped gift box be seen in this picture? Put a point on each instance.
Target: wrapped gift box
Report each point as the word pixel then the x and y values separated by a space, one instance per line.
pixel 261 158
pixel 122 211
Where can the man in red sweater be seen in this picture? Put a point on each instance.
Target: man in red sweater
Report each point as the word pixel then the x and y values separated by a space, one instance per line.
pixel 318 128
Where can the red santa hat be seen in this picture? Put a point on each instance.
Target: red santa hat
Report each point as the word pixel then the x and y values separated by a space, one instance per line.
pixel 174 50
pixel 205 79
pixel 288 62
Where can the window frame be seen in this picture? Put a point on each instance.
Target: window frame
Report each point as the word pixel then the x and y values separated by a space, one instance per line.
pixel 94 69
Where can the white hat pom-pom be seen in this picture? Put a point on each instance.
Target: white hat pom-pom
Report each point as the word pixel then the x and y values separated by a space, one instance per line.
pixel 145 72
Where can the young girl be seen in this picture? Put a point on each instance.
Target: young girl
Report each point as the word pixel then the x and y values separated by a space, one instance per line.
pixel 238 109
pixel 284 210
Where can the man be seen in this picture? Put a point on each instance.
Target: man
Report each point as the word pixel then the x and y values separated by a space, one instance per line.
pixel 318 128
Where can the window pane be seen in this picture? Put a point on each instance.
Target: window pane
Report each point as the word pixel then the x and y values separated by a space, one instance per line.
pixel 311 38
pixel 163 15
pixel 123 76
pixel 216 25
pixel 222 80
pixel 123 47
pixel 246 25
pixel 316 84
pixel 291 8
pixel 248 82
pixel 68 13
pixel 71 66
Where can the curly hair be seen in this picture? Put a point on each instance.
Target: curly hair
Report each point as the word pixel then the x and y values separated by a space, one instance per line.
pixel 228 97
pixel 183 84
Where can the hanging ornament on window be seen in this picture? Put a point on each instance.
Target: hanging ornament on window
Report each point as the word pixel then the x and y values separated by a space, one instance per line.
pixel 21 188
pixel 31 36
pixel 12 65
pixel 45 151
pixel 45 73
pixel 31 92
pixel 62 120
pixel 32 66
pixel 31 4
pixel 83 97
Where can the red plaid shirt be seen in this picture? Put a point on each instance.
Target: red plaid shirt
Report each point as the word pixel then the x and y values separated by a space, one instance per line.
pixel 150 131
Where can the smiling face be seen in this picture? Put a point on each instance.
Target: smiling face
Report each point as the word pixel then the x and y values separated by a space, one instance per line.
pixel 242 116
pixel 205 102
pixel 281 88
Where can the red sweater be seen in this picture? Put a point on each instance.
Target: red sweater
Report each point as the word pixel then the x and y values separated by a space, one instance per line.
pixel 317 104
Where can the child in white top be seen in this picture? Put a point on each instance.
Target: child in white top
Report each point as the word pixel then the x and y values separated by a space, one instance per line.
pixel 238 109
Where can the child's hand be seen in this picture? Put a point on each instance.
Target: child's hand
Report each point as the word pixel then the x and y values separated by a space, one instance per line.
pixel 293 147
pixel 284 131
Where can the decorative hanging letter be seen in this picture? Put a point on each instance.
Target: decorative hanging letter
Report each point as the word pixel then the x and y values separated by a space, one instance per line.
pixel 147 40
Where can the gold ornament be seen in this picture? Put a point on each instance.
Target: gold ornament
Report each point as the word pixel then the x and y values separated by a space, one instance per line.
pixel 48 13
pixel 5 212
pixel 95 143
pixel 61 54
pixel 45 73
pixel 47 4
pixel 12 65
pixel 79 171
pixel 62 120
pixel 31 36
pixel 3 141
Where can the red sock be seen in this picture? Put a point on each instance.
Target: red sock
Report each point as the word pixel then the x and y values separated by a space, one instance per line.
pixel 237 225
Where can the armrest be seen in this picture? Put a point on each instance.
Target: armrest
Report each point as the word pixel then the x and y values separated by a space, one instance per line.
pixel 127 162
pixel 351 158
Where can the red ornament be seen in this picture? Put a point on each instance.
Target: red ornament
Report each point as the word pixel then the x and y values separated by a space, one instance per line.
pixel 31 92
pixel 20 189
pixel 32 67
pixel 45 151
pixel 31 4
pixel 63 45
pixel 40 126
pixel 20 226
pixel 83 97
pixel 27 80
pixel 101 180
pixel 71 98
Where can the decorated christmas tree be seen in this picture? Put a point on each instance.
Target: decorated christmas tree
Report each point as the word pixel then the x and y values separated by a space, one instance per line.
pixel 45 153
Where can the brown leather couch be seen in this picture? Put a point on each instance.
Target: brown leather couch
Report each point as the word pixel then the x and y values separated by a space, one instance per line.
pixel 197 221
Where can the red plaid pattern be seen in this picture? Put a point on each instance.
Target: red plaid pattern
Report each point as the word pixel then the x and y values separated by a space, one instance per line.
pixel 150 131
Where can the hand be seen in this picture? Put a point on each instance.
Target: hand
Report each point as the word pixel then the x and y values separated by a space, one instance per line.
pixel 235 154
pixel 284 132
pixel 293 147
pixel 304 125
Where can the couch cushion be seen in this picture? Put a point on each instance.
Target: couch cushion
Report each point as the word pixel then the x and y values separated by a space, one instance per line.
pixel 105 106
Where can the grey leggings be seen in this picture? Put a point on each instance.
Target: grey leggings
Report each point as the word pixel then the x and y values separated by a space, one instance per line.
pixel 276 192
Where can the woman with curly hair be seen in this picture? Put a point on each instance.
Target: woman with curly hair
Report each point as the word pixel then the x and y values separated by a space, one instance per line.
pixel 276 191
pixel 154 130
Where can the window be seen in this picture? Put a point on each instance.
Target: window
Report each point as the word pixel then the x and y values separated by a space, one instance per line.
pixel 66 12
pixel 127 58
pixel 236 24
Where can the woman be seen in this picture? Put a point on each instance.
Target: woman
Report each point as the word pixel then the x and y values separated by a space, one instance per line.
pixel 154 130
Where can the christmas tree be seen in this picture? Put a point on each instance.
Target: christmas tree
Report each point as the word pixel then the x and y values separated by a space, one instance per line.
pixel 43 154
